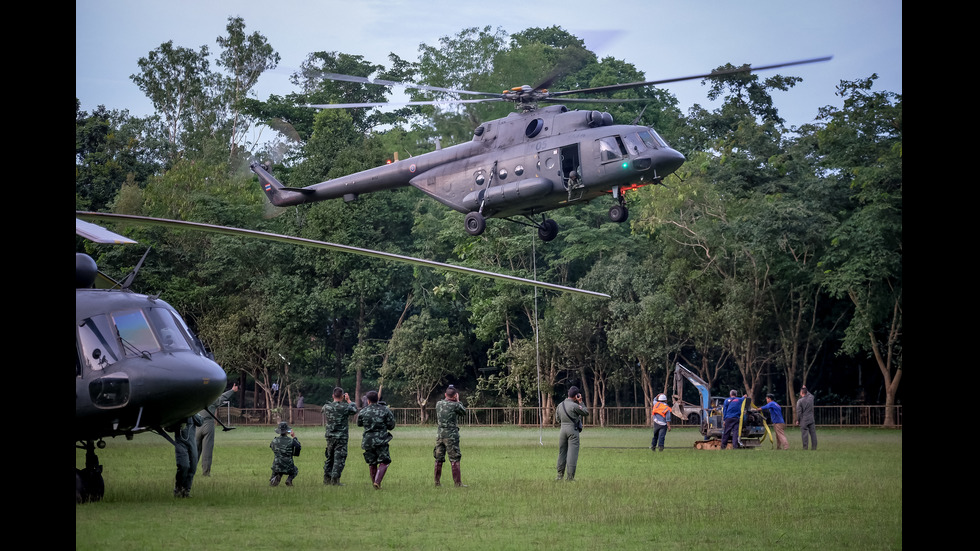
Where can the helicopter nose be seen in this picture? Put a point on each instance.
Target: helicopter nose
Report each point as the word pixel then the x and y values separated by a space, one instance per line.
pixel 666 161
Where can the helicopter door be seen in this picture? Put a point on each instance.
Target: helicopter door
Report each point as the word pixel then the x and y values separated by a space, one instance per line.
pixel 571 171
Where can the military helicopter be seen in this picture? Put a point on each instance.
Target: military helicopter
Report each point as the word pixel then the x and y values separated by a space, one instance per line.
pixel 138 366
pixel 524 165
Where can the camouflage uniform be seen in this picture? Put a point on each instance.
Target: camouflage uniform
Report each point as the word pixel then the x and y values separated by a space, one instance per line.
pixel 205 434
pixel 284 447
pixel 447 438
pixel 185 452
pixel 377 420
pixel 336 415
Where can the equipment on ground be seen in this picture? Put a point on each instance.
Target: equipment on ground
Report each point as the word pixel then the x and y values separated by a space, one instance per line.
pixel 521 166
pixel 752 428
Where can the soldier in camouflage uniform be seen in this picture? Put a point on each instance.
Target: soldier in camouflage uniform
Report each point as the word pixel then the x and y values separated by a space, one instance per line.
pixel 337 415
pixel 285 447
pixel 185 452
pixel 377 420
pixel 447 437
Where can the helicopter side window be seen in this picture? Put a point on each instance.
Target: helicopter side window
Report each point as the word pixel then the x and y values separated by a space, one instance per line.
pixel 135 332
pixel 611 149
pixel 97 342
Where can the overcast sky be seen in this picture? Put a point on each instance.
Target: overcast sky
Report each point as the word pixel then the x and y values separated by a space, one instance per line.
pixel 663 39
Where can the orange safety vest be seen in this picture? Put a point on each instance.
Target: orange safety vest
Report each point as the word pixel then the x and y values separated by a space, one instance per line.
pixel 660 408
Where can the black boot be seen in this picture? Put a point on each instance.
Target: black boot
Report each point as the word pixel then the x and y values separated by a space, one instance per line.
pixel 438 473
pixel 289 481
pixel 336 481
pixel 274 481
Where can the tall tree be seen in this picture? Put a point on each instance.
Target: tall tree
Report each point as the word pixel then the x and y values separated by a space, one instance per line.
pixel 180 84
pixel 246 58
pixel 861 144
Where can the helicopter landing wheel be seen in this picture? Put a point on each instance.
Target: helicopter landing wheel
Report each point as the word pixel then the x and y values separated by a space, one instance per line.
pixel 475 223
pixel 548 230
pixel 618 213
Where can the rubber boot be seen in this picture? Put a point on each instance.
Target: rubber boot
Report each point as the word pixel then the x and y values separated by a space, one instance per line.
pixel 374 474
pixel 438 473
pixel 336 482
pixel 382 469
pixel 327 480
pixel 289 481
pixel 457 475
pixel 274 481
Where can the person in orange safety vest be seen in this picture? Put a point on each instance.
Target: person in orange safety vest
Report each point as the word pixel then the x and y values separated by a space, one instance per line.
pixel 661 422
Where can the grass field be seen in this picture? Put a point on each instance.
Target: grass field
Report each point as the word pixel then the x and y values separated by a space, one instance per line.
pixel 847 495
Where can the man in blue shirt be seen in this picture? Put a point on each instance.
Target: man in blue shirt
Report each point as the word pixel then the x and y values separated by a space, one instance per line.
pixel 732 412
pixel 777 421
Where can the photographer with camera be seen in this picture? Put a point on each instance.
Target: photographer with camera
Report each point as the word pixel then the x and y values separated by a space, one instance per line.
pixel 569 413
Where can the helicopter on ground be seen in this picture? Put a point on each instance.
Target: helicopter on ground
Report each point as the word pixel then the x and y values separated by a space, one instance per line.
pixel 523 165
pixel 138 366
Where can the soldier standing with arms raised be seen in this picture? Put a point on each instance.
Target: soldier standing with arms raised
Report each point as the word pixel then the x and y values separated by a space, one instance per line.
pixel 377 420
pixel 569 413
pixel 337 415
pixel 447 437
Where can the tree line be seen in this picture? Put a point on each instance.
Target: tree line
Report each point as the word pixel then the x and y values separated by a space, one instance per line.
pixel 772 259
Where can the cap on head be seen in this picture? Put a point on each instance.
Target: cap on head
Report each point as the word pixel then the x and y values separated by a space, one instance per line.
pixel 283 427
pixel 573 392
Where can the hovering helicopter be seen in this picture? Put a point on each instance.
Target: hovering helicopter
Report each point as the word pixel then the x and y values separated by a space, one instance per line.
pixel 138 366
pixel 523 165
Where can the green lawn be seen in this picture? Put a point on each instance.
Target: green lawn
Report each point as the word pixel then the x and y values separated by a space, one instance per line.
pixel 846 495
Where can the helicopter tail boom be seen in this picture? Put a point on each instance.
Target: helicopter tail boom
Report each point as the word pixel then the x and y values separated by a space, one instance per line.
pixel 278 194
pixel 347 187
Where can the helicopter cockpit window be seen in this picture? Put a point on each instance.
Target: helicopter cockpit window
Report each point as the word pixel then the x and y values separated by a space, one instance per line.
pixel 652 139
pixel 98 343
pixel 174 335
pixel 611 149
pixel 635 143
pixel 135 332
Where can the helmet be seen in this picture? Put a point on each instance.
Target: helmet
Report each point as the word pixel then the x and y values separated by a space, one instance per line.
pixel 661 397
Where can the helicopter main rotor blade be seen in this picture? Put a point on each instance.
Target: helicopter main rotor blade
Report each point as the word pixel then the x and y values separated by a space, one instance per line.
pixel 382 82
pixel 225 230
pixel 396 104
pixel 616 87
